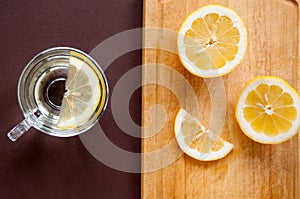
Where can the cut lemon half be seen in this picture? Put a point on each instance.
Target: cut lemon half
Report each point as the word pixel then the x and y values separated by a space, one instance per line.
pixel 196 141
pixel 268 110
pixel 212 41
pixel 81 97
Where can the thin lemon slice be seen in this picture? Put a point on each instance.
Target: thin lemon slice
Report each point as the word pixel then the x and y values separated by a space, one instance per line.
pixel 197 142
pixel 82 95
pixel 212 41
pixel 268 110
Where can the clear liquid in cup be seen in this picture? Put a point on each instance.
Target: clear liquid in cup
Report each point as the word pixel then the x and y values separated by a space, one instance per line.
pixel 49 90
pixel 49 87
pixel 43 87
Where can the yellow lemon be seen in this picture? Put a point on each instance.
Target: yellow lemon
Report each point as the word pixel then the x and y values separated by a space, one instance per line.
pixel 196 141
pixel 268 110
pixel 82 95
pixel 212 41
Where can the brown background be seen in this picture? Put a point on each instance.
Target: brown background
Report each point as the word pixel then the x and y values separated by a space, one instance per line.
pixel 41 166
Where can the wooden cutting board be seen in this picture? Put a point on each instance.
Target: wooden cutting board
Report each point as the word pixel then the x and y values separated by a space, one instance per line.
pixel 251 170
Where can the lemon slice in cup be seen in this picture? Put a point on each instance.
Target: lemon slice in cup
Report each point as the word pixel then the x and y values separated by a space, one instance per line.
pixel 268 110
pixel 212 41
pixel 196 141
pixel 81 97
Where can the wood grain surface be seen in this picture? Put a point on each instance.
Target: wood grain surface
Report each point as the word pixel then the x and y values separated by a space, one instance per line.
pixel 251 170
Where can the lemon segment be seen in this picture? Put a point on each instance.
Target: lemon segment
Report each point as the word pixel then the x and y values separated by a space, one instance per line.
pixel 196 141
pixel 268 110
pixel 212 41
pixel 82 95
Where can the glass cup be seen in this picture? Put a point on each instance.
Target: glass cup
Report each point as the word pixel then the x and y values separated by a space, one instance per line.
pixel 41 89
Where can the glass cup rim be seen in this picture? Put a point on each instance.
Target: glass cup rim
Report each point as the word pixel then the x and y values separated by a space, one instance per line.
pixel 68 132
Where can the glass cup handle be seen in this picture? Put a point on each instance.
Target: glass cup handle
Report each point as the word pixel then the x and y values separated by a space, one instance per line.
pixel 22 127
pixel 19 129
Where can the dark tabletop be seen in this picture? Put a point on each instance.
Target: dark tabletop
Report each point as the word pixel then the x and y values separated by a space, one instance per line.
pixel 42 166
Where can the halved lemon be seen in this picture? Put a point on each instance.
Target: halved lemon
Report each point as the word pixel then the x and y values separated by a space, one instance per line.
pixel 212 41
pixel 82 95
pixel 268 110
pixel 196 141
